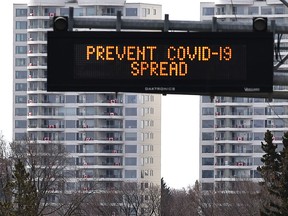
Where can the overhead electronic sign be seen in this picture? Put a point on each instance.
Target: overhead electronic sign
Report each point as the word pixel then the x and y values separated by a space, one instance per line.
pixel 160 62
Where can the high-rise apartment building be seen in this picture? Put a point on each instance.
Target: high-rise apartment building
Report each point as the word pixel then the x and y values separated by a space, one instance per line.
pixel 232 128
pixel 109 139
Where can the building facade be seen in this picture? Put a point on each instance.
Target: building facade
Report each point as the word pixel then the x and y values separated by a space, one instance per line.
pixel 109 138
pixel 232 128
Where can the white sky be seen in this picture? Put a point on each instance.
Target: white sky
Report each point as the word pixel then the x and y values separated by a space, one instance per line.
pixel 180 113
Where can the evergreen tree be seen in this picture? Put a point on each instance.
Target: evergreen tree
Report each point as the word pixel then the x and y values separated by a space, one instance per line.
pixel 274 172
pixel 23 190
pixel 166 198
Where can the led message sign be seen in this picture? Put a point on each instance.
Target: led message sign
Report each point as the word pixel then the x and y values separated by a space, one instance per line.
pixel 158 62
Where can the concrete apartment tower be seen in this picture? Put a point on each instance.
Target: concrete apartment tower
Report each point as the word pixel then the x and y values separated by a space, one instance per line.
pixel 109 139
pixel 232 128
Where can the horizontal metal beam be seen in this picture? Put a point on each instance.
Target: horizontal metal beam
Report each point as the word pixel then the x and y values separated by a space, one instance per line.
pixel 173 25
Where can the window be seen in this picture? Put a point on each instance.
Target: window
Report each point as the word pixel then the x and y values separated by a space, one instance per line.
pixel 20 87
pixel 131 136
pixel 279 10
pixel 130 123
pixel 21 25
pixel 64 11
pixel 258 136
pixel 21 111
pixel 208 11
pixel 259 111
pixel 206 99
pixel 21 49
pixel 21 99
pixel 70 124
pixel 239 10
pixel 207 148
pixel 257 162
pixel 21 12
pixel 130 148
pixel 130 161
pixel 70 136
pixel 207 136
pixel 20 62
pixel 257 149
pixel 91 11
pixel 20 136
pixel 131 11
pixel 207 111
pixel 131 111
pixel 207 161
pixel 266 10
pixel 78 12
pixel 259 124
pixel 131 99
pixel 207 123
pixel 207 173
pixel 207 186
pixel 70 148
pixel 21 37
pixel 253 10
pixel 21 74
pixel 20 124
pixel 71 99
pixel 154 11
pixel 130 174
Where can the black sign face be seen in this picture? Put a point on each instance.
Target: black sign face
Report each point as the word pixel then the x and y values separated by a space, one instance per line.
pixel 158 62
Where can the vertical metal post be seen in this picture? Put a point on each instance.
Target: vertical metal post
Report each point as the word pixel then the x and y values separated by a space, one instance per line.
pixel 118 21
pixel 71 19
pixel 166 23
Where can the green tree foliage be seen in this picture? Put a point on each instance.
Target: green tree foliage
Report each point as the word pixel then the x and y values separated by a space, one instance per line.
pixel 274 172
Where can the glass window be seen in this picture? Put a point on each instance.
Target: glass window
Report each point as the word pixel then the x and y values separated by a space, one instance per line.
pixel 259 123
pixel 91 11
pixel 131 99
pixel 21 37
pixel 257 149
pixel 131 111
pixel 130 161
pixel 21 25
pixel 131 11
pixel 21 12
pixel 206 99
pixel 207 123
pixel 207 173
pixel 21 99
pixel 239 10
pixel 266 10
pixel 207 161
pixel 259 111
pixel 20 124
pixel 207 148
pixel 131 136
pixel 70 136
pixel 70 148
pixel 21 74
pixel 207 186
pixel 70 124
pixel 257 161
pixel 64 11
pixel 208 11
pixel 130 174
pixel 207 111
pixel 20 111
pixel 78 12
pixel 71 99
pixel 20 136
pixel 70 111
pixel 21 49
pixel 130 123
pixel 279 10
pixel 259 136
pixel 253 10
pixel 20 87
pixel 20 62
pixel 207 136
pixel 130 148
